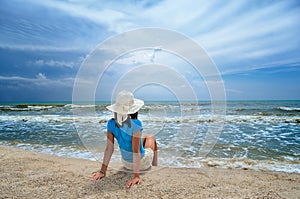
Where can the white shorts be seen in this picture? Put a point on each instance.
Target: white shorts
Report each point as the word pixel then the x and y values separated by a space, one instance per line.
pixel 146 161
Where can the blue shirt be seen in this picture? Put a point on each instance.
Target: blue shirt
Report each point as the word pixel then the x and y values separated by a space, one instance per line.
pixel 124 137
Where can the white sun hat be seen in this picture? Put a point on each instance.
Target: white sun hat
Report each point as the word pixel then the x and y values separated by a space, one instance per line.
pixel 125 104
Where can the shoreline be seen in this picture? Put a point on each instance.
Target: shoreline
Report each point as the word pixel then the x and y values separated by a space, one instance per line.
pixel 26 174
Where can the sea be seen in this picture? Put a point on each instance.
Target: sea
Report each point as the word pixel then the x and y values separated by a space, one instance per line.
pixel 250 135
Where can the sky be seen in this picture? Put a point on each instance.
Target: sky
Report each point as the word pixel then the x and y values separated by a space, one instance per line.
pixel 254 44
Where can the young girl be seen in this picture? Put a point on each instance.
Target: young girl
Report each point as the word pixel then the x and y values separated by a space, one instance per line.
pixel 139 152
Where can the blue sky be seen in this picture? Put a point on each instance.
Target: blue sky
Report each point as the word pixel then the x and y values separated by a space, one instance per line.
pixel 255 44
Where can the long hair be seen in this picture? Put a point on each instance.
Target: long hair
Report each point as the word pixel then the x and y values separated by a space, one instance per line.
pixel 134 116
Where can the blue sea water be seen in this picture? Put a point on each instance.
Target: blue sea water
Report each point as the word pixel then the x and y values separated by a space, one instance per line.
pixel 259 135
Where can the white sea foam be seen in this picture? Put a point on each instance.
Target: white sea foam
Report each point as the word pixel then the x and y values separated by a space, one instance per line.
pixel 58 150
pixel 286 108
pixel 290 166
pixel 253 133
pixel 51 118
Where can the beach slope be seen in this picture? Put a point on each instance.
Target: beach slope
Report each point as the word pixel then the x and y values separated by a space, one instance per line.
pixel 25 174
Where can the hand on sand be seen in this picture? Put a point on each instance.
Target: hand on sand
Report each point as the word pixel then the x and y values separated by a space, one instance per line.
pixel 132 182
pixel 97 176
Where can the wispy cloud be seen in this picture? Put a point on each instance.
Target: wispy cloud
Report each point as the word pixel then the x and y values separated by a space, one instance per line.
pixel 46 28
pixel 259 35
pixel 47 48
pixel 39 80
pixel 240 36
pixel 53 63
pixel 41 76
pixel 286 65
pixel 234 33
pixel 115 20
pixel 235 30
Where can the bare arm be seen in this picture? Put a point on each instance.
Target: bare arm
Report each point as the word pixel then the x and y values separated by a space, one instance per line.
pixel 109 150
pixel 136 159
pixel 107 156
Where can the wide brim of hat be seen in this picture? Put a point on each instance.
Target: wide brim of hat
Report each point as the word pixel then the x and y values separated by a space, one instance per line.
pixel 137 105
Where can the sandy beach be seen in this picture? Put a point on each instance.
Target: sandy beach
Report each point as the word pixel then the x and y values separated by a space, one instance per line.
pixel 26 174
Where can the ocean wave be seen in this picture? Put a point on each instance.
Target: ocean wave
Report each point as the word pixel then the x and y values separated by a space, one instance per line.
pixel 227 118
pixel 29 107
pixel 51 119
pixel 103 118
pixel 251 164
pixel 286 108
pixel 289 166
pixel 81 105
pixel 73 151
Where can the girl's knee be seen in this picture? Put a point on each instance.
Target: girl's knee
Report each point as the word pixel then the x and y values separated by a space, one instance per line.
pixel 150 142
pixel 148 138
pixel 151 137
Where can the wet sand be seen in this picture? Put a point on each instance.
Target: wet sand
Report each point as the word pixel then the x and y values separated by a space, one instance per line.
pixel 25 174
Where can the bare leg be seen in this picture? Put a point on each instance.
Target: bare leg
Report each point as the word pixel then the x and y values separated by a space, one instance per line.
pixel 149 141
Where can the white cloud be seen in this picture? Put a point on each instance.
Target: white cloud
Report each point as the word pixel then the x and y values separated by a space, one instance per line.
pixel 255 32
pixel 115 20
pixel 41 76
pixel 139 57
pixel 39 80
pixel 235 30
pixel 240 35
pixel 47 48
pixel 276 65
pixel 53 63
